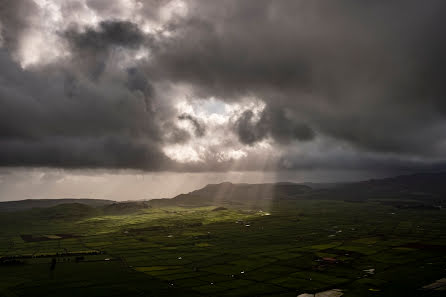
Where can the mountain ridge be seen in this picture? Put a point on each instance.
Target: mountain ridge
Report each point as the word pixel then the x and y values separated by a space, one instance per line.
pixel 429 187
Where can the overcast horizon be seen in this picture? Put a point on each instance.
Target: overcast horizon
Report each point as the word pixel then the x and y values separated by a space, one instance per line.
pixel 133 99
pixel 125 185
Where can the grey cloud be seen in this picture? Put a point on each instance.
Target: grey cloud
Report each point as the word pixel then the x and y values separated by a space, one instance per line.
pixel 248 130
pixel 104 125
pixel 273 122
pixel 137 81
pixel 112 9
pixel 109 33
pixel 105 152
pixel 14 20
pixel 364 74
pixel 175 135
pixel 93 46
pixel 199 128
pixel 285 128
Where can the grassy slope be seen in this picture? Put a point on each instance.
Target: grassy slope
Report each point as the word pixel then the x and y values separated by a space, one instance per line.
pixel 195 251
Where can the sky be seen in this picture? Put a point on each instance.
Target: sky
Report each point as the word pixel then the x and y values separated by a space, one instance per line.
pixel 139 99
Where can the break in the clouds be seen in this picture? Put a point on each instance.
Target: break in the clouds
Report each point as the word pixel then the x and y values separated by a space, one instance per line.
pixel 223 85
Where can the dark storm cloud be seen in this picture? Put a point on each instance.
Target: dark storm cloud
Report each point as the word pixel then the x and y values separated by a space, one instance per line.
pixel 108 33
pixel 285 128
pixel 112 152
pixel 199 128
pixel 92 47
pixel 368 75
pixel 248 130
pixel 104 125
pixel 137 81
pixel 272 122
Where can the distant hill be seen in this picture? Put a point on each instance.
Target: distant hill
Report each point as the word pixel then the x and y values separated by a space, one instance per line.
pixel 125 207
pixel 422 186
pixel 429 189
pixel 45 203
pixel 228 193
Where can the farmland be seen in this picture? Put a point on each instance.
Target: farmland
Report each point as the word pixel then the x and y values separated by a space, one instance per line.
pixel 296 247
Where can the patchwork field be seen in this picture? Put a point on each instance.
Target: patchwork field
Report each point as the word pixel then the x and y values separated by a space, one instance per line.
pixel 297 247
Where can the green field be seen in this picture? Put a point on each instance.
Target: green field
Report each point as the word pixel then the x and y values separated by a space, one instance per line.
pixel 305 246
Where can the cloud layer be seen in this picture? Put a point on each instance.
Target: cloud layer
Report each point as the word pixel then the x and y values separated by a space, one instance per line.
pixel 228 85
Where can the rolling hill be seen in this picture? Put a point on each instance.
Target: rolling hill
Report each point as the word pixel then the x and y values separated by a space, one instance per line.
pixel 426 189
pixel 45 203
